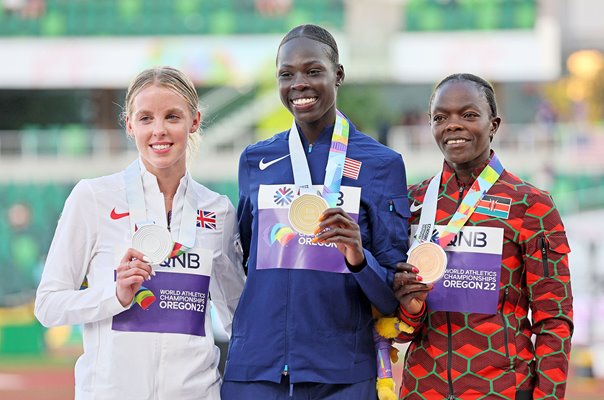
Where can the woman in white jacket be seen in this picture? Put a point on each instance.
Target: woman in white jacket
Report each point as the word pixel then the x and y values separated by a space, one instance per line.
pixel 137 254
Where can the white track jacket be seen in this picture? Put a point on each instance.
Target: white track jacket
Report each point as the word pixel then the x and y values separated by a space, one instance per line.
pixel 163 352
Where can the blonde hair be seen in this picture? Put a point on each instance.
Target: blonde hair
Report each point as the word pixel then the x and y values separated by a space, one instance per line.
pixel 173 79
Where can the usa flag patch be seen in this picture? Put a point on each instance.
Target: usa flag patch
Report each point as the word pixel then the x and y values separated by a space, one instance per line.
pixel 206 219
pixel 352 168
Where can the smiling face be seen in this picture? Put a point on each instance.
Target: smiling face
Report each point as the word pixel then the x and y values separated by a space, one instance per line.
pixel 462 125
pixel 308 81
pixel 160 120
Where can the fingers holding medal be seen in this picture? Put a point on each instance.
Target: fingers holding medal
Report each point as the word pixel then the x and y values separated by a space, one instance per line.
pixel 409 287
pixel 132 271
pixel 336 226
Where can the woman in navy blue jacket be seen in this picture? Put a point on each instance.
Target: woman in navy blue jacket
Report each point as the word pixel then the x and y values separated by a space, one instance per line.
pixel 303 327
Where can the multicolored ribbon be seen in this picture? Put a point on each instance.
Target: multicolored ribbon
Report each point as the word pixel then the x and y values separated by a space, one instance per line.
pixel 479 188
pixel 178 250
pixel 335 161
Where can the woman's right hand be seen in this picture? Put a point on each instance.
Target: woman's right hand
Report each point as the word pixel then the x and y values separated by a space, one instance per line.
pixel 131 273
pixel 408 289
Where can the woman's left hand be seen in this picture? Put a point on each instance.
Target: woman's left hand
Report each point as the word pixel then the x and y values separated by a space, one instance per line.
pixel 336 226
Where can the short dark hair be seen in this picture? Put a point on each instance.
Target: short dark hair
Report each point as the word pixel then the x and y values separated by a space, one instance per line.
pixel 485 87
pixel 317 33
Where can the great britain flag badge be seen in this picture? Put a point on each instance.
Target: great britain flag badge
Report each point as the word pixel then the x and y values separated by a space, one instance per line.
pixel 494 206
pixel 206 219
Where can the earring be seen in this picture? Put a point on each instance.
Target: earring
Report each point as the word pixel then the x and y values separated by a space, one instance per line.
pixel 338 83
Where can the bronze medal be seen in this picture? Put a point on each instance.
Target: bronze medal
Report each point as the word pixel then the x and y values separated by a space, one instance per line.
pixel 430 259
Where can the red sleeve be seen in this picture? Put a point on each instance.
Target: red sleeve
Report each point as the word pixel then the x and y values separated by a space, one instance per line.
pixel 548 282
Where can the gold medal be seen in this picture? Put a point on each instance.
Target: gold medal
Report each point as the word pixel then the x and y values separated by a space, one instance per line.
pixel 154 241
pixel 430 259
pixel 304 213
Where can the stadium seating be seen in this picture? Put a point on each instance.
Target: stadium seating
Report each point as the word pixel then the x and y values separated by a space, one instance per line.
pixel 438 15
pixel 166 17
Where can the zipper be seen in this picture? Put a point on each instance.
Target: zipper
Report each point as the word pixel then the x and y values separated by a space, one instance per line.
pixel 310 147
pixel 461 190
pixel 505 325
pixel 450 359
pixel 544 256
pixel 390 205
pixel 285 371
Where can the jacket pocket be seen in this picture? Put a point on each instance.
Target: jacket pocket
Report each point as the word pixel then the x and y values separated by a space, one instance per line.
pixel 399 211
pixel 552 247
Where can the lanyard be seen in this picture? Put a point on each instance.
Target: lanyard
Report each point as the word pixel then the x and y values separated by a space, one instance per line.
pixel 479 188
pixel 335 162
pixel 138 210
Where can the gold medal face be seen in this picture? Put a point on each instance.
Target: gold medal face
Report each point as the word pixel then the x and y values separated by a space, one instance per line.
pixel 304 213
pixel 154 241
pixel 430 259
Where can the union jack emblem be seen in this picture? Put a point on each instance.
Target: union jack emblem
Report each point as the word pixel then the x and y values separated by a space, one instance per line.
pixel 206 219
pixel 284 196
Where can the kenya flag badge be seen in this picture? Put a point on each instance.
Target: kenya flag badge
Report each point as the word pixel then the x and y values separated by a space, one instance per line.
pixel 494 206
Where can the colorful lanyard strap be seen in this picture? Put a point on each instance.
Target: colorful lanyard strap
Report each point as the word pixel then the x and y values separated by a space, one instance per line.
pixel 138 210
pixel 335 161
pixel 479 188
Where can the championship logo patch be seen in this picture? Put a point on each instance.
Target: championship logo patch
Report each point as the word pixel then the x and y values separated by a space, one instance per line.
pixel 494 206
pixel 283 196
pixel 282 234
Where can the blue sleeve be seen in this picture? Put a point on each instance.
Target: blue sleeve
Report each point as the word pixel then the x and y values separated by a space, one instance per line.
pixel 388 216
pixel 244 208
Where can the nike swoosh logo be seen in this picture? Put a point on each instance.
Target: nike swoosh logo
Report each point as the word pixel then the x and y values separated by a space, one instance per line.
pixel 264 165
pixel 115 215
pixel 414 207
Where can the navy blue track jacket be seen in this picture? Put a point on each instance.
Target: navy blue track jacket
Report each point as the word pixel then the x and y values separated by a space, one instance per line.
pixel 316 325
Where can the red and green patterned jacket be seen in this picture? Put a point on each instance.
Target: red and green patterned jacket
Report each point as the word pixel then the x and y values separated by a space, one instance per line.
pixel 478 356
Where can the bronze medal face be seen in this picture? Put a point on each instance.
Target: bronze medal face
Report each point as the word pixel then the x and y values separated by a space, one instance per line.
pixel 304 213
pixel 430 259
pixel 153 241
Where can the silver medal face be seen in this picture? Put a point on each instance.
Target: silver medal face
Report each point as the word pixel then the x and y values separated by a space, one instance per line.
pixel 153 241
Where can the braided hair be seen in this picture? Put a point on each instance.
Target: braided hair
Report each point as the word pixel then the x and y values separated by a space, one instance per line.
pixel 485 88
pixel 317 33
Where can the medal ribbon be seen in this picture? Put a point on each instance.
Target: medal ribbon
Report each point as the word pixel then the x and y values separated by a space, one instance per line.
pixel 335 161
pixel 138 210
pixel 479 188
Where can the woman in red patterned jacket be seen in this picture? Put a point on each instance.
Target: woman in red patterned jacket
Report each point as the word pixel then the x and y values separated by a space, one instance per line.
pixel 498 323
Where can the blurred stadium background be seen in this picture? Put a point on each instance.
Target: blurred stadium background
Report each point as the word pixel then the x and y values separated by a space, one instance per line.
pixel 66 64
